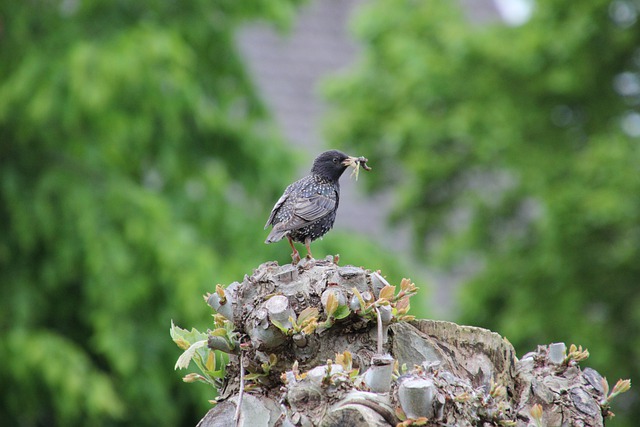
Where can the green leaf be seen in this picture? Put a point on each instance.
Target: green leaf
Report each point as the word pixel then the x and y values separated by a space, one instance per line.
pixel 185 358
pixel 387 293
pixel 219 332
pixel 184 338
pixel 341 312
pixel 253 376
pixel 308 314
pixel 280 326
pixel 332 304
pixel 210 364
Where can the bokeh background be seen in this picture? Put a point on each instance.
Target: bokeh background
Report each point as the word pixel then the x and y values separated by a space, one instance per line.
pixel 143 144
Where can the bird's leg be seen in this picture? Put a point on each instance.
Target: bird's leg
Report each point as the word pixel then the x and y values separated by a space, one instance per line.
pixel 295 256
pixel 307 244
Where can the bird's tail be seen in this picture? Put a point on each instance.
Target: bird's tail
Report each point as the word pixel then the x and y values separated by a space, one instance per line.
pixel 275 236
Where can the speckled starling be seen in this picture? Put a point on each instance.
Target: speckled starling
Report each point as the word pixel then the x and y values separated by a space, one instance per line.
pixel 307 209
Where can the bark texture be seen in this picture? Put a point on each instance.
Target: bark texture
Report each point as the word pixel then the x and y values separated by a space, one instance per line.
pixel 428 373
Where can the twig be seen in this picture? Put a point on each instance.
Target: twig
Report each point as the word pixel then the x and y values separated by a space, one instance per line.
pixel 379 330
pixel 241 394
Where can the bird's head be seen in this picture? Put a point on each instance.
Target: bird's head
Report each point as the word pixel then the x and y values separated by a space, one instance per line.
pixel 331 164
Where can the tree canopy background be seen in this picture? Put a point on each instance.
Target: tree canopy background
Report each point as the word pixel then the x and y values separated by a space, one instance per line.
pixel 137 169
pixel 519 156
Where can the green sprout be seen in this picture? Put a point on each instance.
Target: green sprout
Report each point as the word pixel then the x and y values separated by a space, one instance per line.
pixel 224 337
pixel 621 386
pixel 306 323
pixel 346 361
pixel 265 370
pixel 576 355
pixel 497 391
pixel 387 297
pixel 334 310
pixel 195 345
pixel 536 414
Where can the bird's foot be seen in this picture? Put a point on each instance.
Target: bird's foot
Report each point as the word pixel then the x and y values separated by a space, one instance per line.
pixel 295 258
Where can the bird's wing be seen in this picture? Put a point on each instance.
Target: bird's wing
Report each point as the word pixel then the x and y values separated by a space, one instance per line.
pixel 277 206
pixel 309 209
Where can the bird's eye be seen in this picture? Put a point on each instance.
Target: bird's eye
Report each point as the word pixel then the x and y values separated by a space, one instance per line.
pixel 335 160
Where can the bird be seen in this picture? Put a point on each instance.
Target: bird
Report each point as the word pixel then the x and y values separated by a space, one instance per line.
pixel 307 209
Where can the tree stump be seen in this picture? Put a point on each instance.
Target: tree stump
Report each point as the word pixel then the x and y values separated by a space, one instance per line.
pixel 329 345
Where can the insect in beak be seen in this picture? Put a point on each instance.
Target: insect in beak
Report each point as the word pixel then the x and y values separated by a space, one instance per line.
pixel 355 163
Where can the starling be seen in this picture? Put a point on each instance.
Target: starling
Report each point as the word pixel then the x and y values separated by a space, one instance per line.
pixel 307 209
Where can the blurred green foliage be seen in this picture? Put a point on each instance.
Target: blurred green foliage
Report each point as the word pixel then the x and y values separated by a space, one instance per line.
pixel 137 169
pixel 124 126
pixel 516 150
